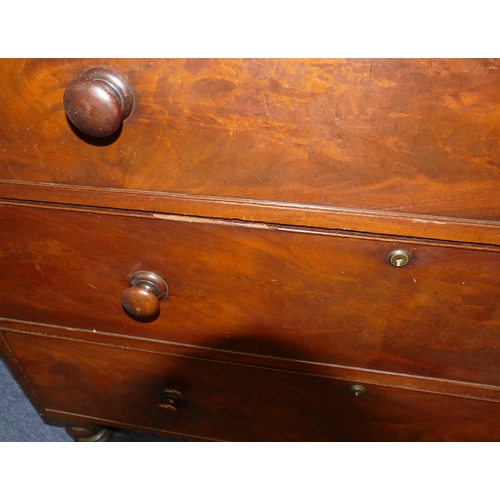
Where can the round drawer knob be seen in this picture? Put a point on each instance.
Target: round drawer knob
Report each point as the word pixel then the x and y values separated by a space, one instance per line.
pixel 98 102
pixel 399 258
pixel 142 299
pixel 171 405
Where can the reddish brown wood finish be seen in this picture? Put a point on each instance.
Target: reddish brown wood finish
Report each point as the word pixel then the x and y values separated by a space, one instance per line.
pixel 440 228
pixel 292 325
pixel 142 299
pixel 325 297
pixel 140 303
pixel 350 375
pixel 231 402
pixel 410 136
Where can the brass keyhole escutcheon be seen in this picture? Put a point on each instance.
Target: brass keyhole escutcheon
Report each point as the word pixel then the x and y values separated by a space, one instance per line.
pixel 357 390
pixel 399 258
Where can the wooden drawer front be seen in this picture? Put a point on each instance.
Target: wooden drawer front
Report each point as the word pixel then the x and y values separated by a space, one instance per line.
pixel 252 289
pixel 415 136
pixel 233 402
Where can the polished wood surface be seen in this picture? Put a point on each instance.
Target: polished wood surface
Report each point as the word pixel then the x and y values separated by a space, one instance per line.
pixel 409 136
pixel 319 296
pixel 262 249
pixel 389 223
pixel 349 374
pixel 230 402
pixel 140 303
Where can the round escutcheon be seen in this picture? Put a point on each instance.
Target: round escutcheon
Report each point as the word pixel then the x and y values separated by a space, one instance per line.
pixel 399 258
pixel 357 390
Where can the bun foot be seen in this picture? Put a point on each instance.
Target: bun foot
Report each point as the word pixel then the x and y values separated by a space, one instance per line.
pixel 93 433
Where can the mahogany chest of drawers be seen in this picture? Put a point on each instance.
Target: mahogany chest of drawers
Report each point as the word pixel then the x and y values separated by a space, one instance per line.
pixel 253 249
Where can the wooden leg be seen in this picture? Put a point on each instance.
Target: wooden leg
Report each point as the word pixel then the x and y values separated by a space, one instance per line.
pixel 93 433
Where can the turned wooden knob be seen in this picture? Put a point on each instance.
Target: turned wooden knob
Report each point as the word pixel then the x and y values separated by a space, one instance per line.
pixel 172 403
pixel 98 102
pixel 142 299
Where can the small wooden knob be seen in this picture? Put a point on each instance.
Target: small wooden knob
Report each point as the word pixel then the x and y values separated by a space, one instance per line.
pixel 140 303
pixel 98 102
pixel 142 299
pixel 172 403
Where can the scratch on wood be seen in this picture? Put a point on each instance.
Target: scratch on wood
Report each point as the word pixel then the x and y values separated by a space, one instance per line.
pixel 253 175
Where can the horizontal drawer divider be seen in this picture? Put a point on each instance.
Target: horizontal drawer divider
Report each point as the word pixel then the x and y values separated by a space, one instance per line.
pixel 346 219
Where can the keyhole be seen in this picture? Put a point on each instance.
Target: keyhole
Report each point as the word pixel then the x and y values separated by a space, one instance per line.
pixel 399 258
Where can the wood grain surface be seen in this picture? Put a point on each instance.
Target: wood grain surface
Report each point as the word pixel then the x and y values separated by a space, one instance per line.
pixel 324 297
pixel 267 193
pixel 237 209
pixel 403 135
pixel 123 387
